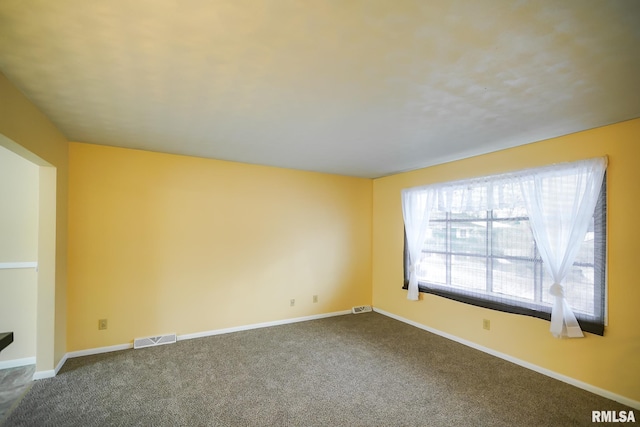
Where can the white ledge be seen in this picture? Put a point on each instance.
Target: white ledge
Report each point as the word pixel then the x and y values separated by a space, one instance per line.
pixel 9 265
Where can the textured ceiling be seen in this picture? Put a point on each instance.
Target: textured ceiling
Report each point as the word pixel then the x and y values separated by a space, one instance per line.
pixel 363 88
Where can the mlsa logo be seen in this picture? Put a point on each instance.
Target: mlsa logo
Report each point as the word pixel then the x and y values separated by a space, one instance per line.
pixel 613 417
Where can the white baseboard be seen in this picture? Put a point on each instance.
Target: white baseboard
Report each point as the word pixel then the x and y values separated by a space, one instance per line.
pixel 572 381
pixel 16 363
pixel 92 351
pixel 61 363
pixel 52 373
pixel 260 325
pixel 40 375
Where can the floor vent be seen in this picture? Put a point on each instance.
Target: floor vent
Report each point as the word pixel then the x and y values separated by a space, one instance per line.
pixel 153 341
pixel 361 309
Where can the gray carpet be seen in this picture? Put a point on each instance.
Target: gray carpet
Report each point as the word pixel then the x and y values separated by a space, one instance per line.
pixel 352 370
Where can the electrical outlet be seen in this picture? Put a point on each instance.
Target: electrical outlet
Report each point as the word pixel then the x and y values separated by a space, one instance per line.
pixel 292 302
pixel 315 298
pixel 486 324
pixel 102 324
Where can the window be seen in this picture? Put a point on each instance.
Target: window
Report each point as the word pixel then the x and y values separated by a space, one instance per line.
pixel 489 258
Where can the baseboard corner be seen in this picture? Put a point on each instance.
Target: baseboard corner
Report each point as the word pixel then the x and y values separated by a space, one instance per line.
pixel 41 375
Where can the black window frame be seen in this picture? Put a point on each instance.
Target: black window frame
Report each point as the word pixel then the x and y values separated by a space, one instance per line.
pixel 594 324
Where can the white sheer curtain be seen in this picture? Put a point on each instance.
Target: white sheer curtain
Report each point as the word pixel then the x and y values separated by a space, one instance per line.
pixel 416 209
pixel 560 203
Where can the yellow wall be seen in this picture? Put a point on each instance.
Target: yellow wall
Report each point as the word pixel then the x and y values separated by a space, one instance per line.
pixel 611 362
pixel 18 243
pixel 161 243
pixel 30 134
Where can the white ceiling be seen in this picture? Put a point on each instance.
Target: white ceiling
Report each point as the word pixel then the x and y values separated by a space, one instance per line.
pixel 364 88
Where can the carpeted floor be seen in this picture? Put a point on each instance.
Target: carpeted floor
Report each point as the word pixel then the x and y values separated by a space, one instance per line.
pixel 352 370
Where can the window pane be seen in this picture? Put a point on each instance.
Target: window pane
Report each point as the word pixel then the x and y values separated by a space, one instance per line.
pixel 469 237
pixel 587 248
pixel 514 278
pixel 469 215
pixel 436 240
pixel 510 213
pixel 512 238
pixel 469 272
pixel 437 216
pixel 433 268
pixel 579 289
